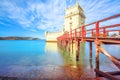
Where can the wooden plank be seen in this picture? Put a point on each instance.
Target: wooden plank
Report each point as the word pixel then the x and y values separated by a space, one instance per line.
pixel 111 41
pixel 114 60
pixel 103 40
pixel 114 73
pixel 109 76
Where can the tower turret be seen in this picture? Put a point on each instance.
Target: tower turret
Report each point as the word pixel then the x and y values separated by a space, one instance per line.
pixel 74 17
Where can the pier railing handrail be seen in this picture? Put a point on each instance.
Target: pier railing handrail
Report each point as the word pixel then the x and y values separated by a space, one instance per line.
pixel 95 32
pixel 81 34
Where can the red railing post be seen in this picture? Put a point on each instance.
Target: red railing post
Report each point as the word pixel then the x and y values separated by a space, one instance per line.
pixel 67 35
pixel 75 33
pixel 79 32
pixel 92 33
pixel 83 33
pixel 70 33
pixel 97 30
pixel 104 32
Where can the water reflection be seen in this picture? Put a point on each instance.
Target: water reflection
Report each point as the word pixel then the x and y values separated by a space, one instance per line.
pixel 83 67
pixel 41 60
pixel 51 47
pixel 78 67
pixel 72 68
pixel 70 57
pixel 34 60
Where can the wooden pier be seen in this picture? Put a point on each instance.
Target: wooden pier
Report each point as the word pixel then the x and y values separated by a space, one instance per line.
pixel 99 35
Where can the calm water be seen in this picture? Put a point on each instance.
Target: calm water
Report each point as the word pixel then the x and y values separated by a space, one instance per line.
pixel 29 58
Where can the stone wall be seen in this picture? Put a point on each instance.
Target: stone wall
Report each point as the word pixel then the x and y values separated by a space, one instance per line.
pixel 52 36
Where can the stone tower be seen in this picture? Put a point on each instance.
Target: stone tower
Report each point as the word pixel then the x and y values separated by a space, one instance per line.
pixel 74 17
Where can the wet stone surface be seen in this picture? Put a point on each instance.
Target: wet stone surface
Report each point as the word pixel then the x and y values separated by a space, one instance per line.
pixel 51 72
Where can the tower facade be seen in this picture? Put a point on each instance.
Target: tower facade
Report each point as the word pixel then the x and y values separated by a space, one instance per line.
pixel 74 17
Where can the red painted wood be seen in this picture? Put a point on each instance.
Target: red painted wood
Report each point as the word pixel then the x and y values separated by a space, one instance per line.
pixel 97 30
pixel 94 32
pixel 75 33
pixel 104 32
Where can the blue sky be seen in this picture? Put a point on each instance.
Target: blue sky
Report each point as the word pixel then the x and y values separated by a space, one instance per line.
pixel 34 17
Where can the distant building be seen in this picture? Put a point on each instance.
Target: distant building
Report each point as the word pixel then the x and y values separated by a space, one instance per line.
pixel 74 17
pixel 114 35
pixel 52 36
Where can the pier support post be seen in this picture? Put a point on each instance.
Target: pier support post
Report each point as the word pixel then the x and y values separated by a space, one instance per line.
pixel 77 49
pixel 68 45
pixel 97 55
pixel 90 57
pixel 90 50
pixel 60 43
pixel 72 46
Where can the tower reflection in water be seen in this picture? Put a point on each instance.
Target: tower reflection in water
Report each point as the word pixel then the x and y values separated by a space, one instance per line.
pixel 72 67
pixel 70 55
pixel 81 67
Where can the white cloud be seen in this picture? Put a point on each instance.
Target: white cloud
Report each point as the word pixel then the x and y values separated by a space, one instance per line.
pixel 16 13
pixel 99 9
pixel 50 15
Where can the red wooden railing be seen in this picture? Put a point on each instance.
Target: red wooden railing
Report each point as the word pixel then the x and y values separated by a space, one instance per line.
pixel 84 30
